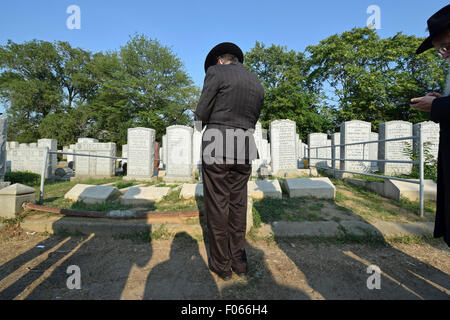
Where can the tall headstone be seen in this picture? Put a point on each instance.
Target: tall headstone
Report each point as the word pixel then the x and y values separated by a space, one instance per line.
pixel 373 151
pixel 141 154
pixel 352 132
pixel 52 145
pixel 283 149
pixel 335 151
pixel 317 140
pixel 179 150
pixel 257 134
pixel 3 129
pixel 395 150
pixel 165 149
pixel 430 135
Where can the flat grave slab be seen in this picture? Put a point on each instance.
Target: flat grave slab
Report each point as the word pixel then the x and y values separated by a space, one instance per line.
pixel 259 189
pixel 398 189
pixel 320 188
pixel 191 190
pixel 92 194
pixel 137 196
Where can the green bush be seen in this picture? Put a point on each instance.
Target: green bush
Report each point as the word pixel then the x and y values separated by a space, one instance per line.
pixel 28 178
pixel 430 164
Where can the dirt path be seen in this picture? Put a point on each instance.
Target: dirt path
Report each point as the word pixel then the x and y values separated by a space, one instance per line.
pixel 176 269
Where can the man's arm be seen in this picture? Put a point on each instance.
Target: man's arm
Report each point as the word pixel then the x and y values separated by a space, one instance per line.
pixel 210 89
pixel 440 110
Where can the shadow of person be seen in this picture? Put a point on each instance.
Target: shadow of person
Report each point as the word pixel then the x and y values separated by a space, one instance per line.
pixel 184 276
pixel 106 266
pixel 259 282
pixel 104 263
pixel 338 268
pixel 21 275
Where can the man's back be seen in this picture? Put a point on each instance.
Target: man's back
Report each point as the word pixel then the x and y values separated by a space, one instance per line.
pixel 232 96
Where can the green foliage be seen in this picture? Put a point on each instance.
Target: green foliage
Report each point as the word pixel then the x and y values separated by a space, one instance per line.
pixel 27 178
pixel 373 79
pixel 52 90
pixel 289 91
pixel 430 163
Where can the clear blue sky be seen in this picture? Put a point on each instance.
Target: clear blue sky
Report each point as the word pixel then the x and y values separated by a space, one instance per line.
pixel 191 28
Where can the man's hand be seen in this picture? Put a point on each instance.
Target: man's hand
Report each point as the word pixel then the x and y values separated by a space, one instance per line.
pixel 424 103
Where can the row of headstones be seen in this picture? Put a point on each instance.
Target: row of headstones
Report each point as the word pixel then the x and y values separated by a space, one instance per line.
pixel 30 157
pixel 360 131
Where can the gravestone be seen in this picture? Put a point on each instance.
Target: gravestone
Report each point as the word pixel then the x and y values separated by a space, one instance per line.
pixel 430 135
pixel 257 135
pixel 394 150
pixel 283 150
pixel 373 151
pixel 93 167
pixel 141 153
pixel 317 140
pixel 86 140
pixel 329 153
pixel 196 150
pixel 336 151
pixel 351 132
pixel 165 149
pixel 124 153
pixel 3 129
pixel 179 153
pixel 52 145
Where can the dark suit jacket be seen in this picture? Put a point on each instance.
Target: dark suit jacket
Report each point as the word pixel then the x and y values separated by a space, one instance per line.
pixel 232 97
pixel 440 113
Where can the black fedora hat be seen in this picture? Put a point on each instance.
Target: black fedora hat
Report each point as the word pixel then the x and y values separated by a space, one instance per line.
pixel 437 23
pixel 220 49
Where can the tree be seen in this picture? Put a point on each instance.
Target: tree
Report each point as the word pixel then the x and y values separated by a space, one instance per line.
pixel 289 93
pixel 373 79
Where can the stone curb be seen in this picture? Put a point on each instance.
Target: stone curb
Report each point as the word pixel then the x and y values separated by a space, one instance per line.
pixel 108 227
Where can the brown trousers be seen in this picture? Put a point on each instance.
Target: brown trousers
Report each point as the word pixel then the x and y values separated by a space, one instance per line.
pixel 225 199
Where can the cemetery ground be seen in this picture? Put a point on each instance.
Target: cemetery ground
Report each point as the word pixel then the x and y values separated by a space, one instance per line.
pixel 164 263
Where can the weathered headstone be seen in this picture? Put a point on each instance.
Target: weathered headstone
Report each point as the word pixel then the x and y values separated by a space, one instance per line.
pixel 179 145
pixel 165 150
pixel 258 141
pixel 430 135
pixel 352 132
pixel 283 150
pixel 3 129
pixel 395 150
pixel 52 145
pixel 141 154
pixel 317 140
pixel 336 151
pixel 94 167
pixel 373 152
pixel 196 149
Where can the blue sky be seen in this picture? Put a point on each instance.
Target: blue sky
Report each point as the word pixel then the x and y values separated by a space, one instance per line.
pixel 191 28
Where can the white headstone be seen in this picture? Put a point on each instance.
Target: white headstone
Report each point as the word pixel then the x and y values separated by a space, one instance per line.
pixel 282 142
pixel 95 167
pixel 351 132
pixel 336 151
pixel 196 149
pixel 317 140
pixel 179 150
pixel 373 151
pixel 141 153
pixel 430 136
pixel 394 150
pixel 3 129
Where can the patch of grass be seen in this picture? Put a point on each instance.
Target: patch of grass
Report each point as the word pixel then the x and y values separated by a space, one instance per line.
pixel 414 239
pixel 124 184
pixel 101 207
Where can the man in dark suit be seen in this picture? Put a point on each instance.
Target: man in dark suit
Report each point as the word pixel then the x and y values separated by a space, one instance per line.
pixel 229 106
pixel 439 107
